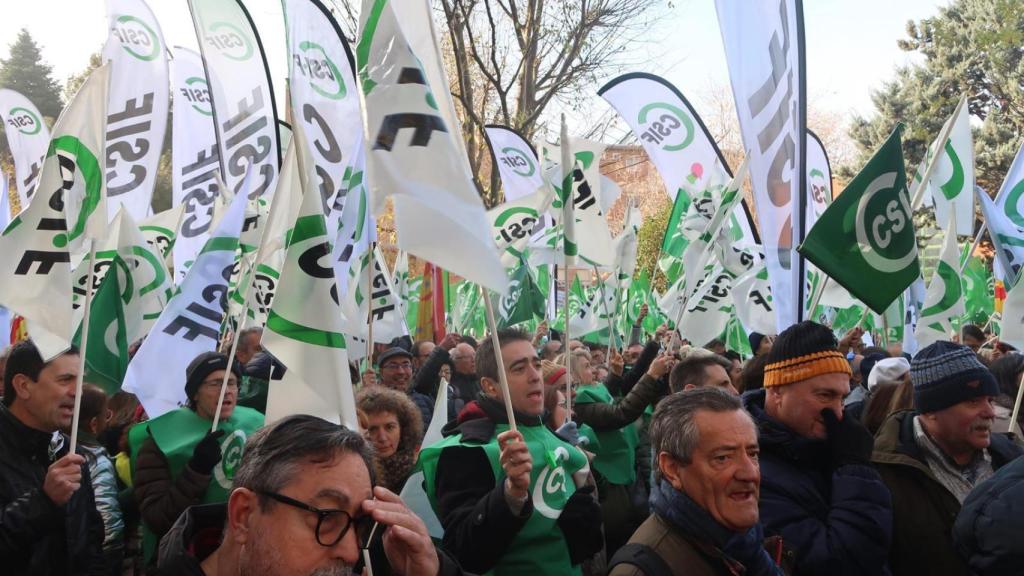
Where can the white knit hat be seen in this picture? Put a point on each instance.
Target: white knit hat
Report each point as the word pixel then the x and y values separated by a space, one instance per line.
pixel 889 370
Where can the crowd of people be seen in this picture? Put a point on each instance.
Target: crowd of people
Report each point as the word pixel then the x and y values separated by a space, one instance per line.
pixel 815 456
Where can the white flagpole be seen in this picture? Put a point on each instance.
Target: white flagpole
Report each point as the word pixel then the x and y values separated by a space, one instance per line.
pixel 502 377
pixel 369 306
pixel 234 343
pixel 1016 405
pixel 85 342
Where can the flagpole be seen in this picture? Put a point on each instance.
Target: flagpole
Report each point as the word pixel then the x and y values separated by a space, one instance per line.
pixel 818 294
pixel 885 330
pixel 604 300
pixel 369 306
pixel 941 144
pixel 80 380
pixel 234 342
pixel 863 316
pixel 565 341
pixel 496 343
pixel 1016 404
pixel 974 246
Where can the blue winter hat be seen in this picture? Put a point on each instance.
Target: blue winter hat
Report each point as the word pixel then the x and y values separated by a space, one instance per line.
pixel 945 374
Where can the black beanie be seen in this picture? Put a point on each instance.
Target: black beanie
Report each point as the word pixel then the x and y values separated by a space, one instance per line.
pixel 754 339
pixel 945 374
pixel 801 339
pixel 204 365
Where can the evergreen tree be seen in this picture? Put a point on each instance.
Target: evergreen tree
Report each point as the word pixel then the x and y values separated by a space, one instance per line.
pixel 970 47
pixel 25 71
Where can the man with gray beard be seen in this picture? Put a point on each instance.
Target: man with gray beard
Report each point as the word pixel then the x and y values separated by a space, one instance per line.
pixel 303 503
pixel 931 457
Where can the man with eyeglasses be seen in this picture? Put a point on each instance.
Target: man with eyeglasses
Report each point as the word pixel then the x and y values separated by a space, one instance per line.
pixel 177 461
pixel 303 502
pixel 396 374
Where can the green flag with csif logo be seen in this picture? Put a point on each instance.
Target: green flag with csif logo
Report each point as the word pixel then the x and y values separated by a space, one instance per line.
pixel 865 239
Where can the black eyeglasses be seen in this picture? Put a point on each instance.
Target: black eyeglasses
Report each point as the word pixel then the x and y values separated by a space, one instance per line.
pixel 331 524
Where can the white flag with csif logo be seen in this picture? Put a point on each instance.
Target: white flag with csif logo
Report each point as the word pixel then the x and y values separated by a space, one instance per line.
pixel 190 323
pixel 195 158
pixel 28 137
pixel 675 139
pixel 415 157
pixel 243 99
pixel 325 100
pixel 516 160
pixel 764 48
pixel 137 106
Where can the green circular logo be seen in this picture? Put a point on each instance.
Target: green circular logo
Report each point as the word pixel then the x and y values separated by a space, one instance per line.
pixel 1012 205
pixel 231 449
pixel 551 489
pixel 137 38
pixel 81 161
pixel 880 223
pixel 198 92
pixel 665 128
pixel 230 41
pixel 519 161
pixel 324 77
pixel 24 120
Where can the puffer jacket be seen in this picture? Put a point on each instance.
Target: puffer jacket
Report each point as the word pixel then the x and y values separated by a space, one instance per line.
pixel 833 522
pixel 104 487
pixel 988 529
pixel 923 509
pixel 36 536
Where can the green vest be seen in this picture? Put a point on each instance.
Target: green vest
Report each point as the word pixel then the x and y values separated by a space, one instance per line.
pixel 176 433
pixel 539 548
pixel 615 452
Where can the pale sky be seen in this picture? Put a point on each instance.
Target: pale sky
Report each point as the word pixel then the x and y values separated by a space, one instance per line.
pixel 851 44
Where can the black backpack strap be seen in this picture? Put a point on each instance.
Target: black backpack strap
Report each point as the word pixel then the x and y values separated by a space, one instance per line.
pixel 643 557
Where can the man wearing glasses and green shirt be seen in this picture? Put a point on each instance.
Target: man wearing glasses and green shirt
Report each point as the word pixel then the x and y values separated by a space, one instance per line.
pixel 303 503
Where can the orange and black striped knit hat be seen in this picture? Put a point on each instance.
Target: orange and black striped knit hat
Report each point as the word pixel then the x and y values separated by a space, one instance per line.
pixel 803 351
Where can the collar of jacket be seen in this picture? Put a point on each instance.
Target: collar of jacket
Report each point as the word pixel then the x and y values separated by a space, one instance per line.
pixel 30 441
pixel 895 444
pixel 777 438
pixel 195 535
pixel 479 418
pixel 695 524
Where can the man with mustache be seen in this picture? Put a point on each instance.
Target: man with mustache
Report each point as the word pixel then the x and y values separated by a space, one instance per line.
pixel 704 504
pixel 931 457
pixel 48 518
pixel 818 489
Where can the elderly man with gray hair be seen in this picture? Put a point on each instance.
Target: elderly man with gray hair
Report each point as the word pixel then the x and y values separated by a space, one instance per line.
pixel 704 516
pixel 303 502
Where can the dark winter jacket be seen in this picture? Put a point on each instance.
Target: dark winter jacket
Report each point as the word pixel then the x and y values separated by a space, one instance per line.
pixel 621 386
pixel 478 524
pixel 834 522
pixel 36 536
pixel 161 497
pixel 924 510
pixel 198 533
pixel 600 416
pixel 988 531
pixel 428 379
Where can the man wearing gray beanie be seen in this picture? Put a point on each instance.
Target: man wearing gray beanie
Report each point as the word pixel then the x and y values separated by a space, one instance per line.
pixel 931 457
